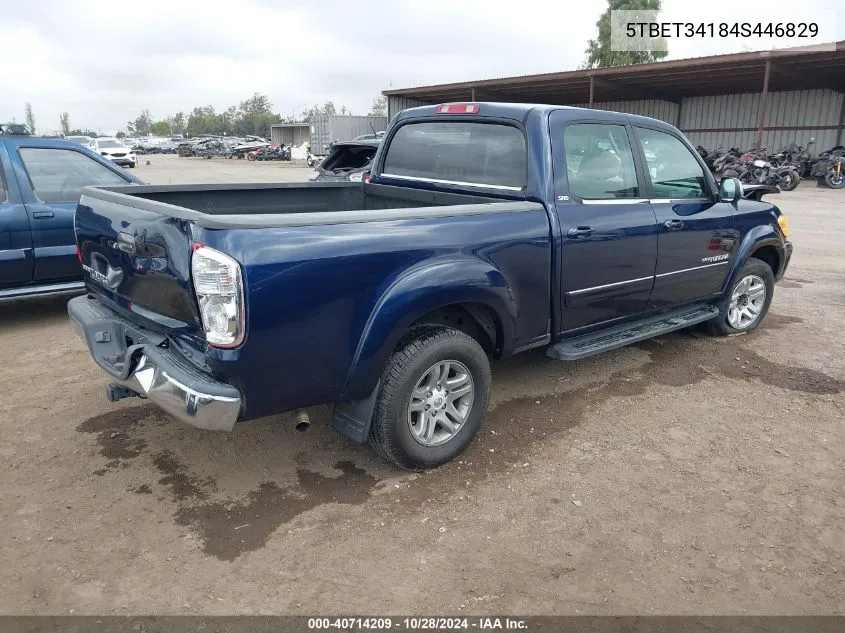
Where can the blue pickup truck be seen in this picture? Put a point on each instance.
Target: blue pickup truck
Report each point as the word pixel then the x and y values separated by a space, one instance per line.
pixel 483 230
pixel 40 183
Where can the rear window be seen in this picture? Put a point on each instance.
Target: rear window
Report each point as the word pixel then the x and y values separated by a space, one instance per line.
pixel 348 158
pixel 483 154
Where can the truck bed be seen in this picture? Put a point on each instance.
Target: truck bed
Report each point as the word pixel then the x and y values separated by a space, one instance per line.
pixel 331 274
pixel 284 204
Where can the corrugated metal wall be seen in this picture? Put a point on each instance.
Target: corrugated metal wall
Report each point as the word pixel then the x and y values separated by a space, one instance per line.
pixel 343 127
pixel 396 104
pixel 290 135
pixel 654 108
pixel 731 120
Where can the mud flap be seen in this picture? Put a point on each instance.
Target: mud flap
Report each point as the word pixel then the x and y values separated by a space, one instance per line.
pixel 353 418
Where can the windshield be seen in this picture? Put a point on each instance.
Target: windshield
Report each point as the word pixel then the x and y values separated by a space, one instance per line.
pixel 483 154
pixel 110 143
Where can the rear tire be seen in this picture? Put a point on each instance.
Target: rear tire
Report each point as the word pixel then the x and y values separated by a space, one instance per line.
pixel 746 302
pixel 418 422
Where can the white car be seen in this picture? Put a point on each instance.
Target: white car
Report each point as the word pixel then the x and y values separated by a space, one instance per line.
pixel 115 150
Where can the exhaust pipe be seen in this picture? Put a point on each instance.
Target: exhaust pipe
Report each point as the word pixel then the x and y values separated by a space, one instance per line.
pixel 303 423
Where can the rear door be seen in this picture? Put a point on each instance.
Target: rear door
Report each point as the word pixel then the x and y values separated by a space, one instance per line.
pixel 696 234
pixel 51 182
pixel 15 240
pixel 609 241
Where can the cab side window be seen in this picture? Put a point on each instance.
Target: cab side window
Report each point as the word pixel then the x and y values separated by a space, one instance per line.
pixel 59 175
pixel 599 161
pixel 673 170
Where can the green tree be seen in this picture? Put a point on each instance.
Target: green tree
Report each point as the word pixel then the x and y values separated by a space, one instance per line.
pixel 315 111
pixel 379 107
pixel 30 118
pixel 141 125
pixel 177 123
pixel 599 53
pixel 160 128
pixel 64 121
pixel 120 134
pixel 80 132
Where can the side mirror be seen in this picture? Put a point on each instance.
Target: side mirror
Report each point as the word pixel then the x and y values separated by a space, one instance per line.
pixel 730 190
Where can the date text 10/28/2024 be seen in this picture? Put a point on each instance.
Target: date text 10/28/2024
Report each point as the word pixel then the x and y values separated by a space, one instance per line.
pixel 418 624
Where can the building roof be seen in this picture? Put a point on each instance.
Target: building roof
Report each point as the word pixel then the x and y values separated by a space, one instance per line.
pixel 791 69
pixel 292 125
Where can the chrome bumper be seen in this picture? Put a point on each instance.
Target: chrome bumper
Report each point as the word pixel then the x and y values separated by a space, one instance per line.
pixel 188 403
pixel 178 387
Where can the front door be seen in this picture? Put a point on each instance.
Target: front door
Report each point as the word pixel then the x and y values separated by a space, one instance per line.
pixel 56 178
pixel 609 237
pixel 696 237
pixel 15 239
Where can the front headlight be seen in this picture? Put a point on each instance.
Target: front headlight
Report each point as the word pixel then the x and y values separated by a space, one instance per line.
pixel 219 289
pixel 356 177
pixel 783 223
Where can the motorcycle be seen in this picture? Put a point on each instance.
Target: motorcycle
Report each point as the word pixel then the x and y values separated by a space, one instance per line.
pixel 798 156
pixel 751 168
pixel 830 169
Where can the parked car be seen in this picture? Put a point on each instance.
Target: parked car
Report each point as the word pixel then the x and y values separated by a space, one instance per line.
pixel 347 161
pixel 115 150
pixel 85 141
pixel 40 183
pixel 388 298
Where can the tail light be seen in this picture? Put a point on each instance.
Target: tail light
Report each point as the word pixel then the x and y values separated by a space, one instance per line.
pixel 219 287
pixel 79 254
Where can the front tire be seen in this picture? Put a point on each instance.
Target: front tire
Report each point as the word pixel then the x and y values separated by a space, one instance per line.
pixel 834 180
pixel 747 301
pixel 789 180
pixel 432 400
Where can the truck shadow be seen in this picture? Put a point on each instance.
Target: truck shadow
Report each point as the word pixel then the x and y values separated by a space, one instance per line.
pixel 236 490
pixel 34 312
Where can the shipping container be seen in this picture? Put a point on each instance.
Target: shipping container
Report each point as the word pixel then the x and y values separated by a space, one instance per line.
pixel 326 129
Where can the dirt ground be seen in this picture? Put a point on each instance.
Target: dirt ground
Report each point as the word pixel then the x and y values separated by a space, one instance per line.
pixel 684 475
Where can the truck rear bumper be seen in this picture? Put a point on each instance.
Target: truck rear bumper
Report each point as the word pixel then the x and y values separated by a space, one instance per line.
pixel 152 371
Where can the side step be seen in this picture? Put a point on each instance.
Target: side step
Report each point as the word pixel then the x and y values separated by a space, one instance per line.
pixel 45 290
pixel 605 340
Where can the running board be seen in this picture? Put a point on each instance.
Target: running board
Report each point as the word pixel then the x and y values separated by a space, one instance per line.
pixel 605 340
pixel 45 290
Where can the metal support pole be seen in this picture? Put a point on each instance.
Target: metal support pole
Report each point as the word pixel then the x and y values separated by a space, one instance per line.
pixel 592 90
pixel 841 121
pixel 472 95
pixel 764 98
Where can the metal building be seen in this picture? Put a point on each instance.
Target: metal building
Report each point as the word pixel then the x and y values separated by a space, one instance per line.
pixel 761 99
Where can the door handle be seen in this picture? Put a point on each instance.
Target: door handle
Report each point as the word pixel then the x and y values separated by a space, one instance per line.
pixel 42 214
pixel 579 231
pixel 673 225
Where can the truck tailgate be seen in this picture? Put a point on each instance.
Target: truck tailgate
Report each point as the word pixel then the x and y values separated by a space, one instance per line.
pixel 139 260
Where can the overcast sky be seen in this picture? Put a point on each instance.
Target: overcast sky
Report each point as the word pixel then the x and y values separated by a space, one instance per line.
pixel 104 61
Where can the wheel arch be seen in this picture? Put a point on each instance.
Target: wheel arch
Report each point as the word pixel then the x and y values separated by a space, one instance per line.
pixel 470 295
pixel 763 243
